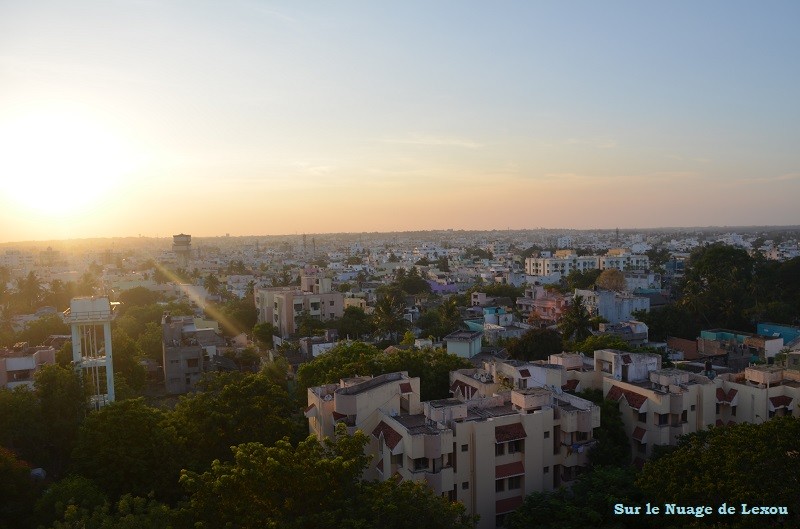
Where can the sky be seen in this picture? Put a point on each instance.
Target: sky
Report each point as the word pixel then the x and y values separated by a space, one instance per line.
pixel 247 117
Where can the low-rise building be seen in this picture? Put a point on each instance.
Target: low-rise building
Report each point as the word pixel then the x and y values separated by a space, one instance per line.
pixel 188 352
pixel 613 307
pixel 19 365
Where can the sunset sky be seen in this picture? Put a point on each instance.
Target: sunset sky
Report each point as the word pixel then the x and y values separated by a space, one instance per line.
pixel 128 117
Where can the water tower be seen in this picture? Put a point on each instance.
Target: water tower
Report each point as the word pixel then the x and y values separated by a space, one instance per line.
pixel 182 246
pixel 90 319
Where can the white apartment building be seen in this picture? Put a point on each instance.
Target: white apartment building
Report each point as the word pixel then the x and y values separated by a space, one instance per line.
pixel 488 449
pixel 565 261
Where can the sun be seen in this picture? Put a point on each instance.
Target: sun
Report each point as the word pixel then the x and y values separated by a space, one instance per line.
pixel 60 162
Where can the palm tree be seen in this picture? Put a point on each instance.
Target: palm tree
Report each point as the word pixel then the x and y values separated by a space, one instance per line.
pixel 388 315
pixel 576 321
pixel 29 289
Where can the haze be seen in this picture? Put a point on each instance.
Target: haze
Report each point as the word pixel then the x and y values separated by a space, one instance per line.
pixel 136 117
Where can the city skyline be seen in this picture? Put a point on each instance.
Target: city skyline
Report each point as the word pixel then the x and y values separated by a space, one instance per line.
pixel 137 117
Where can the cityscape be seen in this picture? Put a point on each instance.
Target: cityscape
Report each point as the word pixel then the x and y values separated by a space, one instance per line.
pixel 451 265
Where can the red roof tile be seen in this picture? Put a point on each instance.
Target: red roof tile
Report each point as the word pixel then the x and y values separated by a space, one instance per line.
pixel 509 432
pixel 337 415
pixel 525 373
pixel 726 397
pixel 311 407
pixel 639 433
pixel 510 469
pixel 405 387
pixel 507 505
pixel 615 393
pixel 571 385
pixel 633 399
pixel 781 401
pixel 390 436
pixel 379 466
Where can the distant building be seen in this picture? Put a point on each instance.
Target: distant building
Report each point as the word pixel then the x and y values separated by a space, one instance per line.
pixel 19 365
pixel 465 344
pixel 566 261
pixel 281 306
pixel 188 352
pixel 612 306
pixel 182 247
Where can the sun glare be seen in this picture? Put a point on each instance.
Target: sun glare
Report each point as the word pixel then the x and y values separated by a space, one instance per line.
pixel 60 163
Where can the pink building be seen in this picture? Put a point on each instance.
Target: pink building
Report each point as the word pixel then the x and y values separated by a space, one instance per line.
pixel 546 304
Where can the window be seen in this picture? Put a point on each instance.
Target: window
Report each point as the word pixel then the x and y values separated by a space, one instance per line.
pixel 514 483
pixel 733 411
pixel 500 485
pixel 192 362
pixel 397 459
pixel 330 303
pixel 546 470
pixel 516 446
pixel 685 416
pixel 499 449
pixel 420 463
pixel 465 485
pixel 547 434
pixel 643 417
pixel 662 419
pixel 692 408
pixel 717 409
pixel 464 448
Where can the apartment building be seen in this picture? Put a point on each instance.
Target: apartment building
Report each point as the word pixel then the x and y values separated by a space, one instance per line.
pixel 495 442
pixel 565 261
pixel 282 305
pixel 612 306
pixel 19 365
pixel 548 306
pixel 188 352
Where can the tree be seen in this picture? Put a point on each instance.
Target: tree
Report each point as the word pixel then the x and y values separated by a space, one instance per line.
pixel 431 365
pixel 718 285
pixel 37 331
pixel 17 492
pixel 589 503
pixel 575 321
pixel 613 447
pixel 139 296
pixel 756 464
pixel 603 341
pixel 536 344
pixel 150 342
pixel 129 512
pixel 354 323
pixel 388 315
pixel 129 447
pixel 62 398
pixel 408 338
pixel 611 279
pixel 212 284
pixel 73 494
pixel 29 290
pixel 234 408
pixel 271 486
pixel 582 280
pixel 263 333
pixel 126 358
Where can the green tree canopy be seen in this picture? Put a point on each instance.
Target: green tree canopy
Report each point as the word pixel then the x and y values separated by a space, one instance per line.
pixel 536 344
pixel 756 464
pixel 234 408
pixel 129 447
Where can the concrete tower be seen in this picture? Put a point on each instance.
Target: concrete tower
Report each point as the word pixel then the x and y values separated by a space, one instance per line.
pixel 182 246
pixel 90 319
